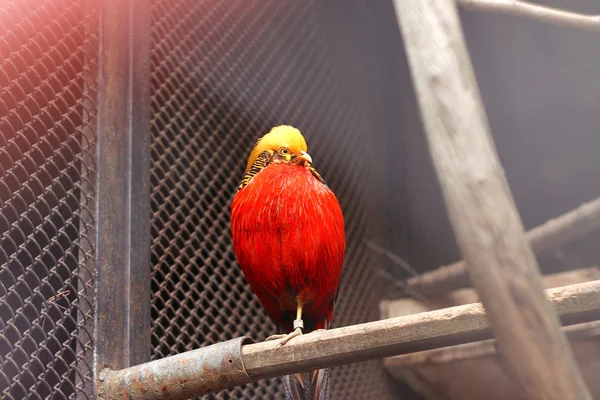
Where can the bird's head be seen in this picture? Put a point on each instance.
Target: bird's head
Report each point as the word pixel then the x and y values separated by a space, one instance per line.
pixel 285 143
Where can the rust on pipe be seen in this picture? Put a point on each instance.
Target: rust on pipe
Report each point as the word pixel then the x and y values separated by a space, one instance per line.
pixel 240 361
pixel 179 377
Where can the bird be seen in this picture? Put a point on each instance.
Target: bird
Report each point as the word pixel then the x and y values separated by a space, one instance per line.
pixel 289 238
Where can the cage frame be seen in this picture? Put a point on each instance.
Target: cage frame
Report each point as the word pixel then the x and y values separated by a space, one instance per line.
pixel 114 382
pixel 122 237
pixel 123 198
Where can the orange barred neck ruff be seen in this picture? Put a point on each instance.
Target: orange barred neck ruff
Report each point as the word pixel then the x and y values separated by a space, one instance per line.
pixel 288 232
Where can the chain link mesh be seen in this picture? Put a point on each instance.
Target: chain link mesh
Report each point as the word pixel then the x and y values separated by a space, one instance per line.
pixel 47 171
pixel 224 73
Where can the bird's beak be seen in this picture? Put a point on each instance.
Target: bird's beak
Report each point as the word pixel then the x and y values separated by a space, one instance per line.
pixel 306 157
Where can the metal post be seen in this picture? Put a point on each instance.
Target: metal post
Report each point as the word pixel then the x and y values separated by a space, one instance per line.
pixel 122 317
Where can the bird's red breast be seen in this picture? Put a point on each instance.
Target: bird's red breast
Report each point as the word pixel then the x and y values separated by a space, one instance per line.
pixel 288 236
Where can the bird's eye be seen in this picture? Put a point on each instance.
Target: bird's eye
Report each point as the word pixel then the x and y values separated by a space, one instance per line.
pixel 284 152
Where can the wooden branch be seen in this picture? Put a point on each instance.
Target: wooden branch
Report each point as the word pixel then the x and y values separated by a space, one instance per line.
pixel 551 235
pixel 474 371
pixel 482 211
pixel 534 11
pixel 570 277
pixel 418 332
pixel 407 306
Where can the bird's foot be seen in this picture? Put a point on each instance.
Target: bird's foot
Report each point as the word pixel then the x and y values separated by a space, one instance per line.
pixel 275 337
pixel 298 326
pixel 290 336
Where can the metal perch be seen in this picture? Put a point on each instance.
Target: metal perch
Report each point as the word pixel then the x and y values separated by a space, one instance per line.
pixel 237 362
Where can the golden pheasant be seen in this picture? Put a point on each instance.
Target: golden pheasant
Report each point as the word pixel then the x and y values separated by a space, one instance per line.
pixel 288 236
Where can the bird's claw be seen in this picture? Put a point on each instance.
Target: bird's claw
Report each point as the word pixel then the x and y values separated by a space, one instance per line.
pixel 290 336
pixel 275 337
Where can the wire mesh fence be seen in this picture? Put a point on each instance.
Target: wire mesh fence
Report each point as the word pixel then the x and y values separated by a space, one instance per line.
pixel 222 75
pixel 48 65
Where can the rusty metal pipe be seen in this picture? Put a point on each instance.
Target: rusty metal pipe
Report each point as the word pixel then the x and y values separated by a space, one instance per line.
pixel 239 361
pixel 179 377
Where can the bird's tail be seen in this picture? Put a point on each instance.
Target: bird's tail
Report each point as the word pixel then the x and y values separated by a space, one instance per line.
pixel 313 385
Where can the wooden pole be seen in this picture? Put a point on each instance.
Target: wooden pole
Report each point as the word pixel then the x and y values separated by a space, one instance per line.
pixel 551 235
pixel 536 12
pixel 482 211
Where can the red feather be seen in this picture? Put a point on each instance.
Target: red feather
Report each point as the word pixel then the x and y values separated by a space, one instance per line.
pixel 288 236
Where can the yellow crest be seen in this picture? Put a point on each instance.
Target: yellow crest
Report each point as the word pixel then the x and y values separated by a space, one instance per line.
pixel 280 136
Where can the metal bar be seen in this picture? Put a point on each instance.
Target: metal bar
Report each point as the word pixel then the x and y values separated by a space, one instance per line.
pixel 182 376
pixel 88 190
pixel 209 369
pixel 482 211
pixel 139 236
pixel 122 334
